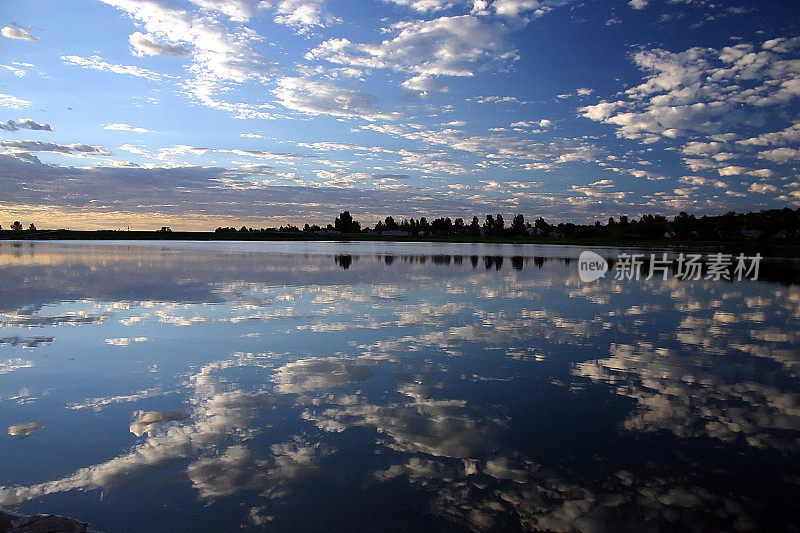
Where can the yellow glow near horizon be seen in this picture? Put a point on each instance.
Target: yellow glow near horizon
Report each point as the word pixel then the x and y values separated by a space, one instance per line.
pixel 55 217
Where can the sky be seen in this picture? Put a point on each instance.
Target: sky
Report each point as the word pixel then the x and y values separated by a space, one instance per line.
pixel 202 113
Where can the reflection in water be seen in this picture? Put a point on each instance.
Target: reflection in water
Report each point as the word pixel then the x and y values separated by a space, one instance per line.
pixel 146 422
pixel 23 430
pixel 472 386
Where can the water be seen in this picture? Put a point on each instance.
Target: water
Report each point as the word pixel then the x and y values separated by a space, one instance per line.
pixel 219 386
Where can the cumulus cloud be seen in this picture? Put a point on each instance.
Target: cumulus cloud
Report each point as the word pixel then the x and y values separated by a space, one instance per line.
pixel 24 123
pixel 236 10
pixel 219 56
pixel 232 472
pixel 762 188
pixel 446 46
pixel 124 127
pixel 524 10
pixel 445 428
pixel 318 374
pixel 638 4
pixel 699 90
pixel 302 15
pixel 146 422
pixel 790 134
pixel 147 44
pixel 324 98
pixel 780 155
pixel 17 33
pixel 687 396
pixel 425 6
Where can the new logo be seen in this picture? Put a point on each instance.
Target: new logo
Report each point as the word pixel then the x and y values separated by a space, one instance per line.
pixel 591 266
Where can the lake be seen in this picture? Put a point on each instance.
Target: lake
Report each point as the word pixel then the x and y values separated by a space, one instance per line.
pixel 342 386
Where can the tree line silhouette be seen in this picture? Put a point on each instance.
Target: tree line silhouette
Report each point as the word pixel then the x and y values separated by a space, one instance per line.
pixel 782 225
pixel 776 224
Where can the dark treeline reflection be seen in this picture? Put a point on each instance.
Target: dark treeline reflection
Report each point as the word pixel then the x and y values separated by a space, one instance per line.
pixel 490 262
pixel 781 270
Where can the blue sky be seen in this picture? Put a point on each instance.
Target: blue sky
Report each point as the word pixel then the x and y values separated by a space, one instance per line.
pixel 200 113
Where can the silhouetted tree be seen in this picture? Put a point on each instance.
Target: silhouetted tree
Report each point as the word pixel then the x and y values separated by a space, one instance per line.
pixel 518 225
pixel 442 226
pixel 541 225
pixel 344 223
pixel 488 226
pixel 499 225
pixel 424 226
pixel 684 223
pixel 16 226
pixel 475 227
pixel 32 227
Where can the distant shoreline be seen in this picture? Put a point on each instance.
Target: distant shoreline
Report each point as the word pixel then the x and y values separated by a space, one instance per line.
pixel 765 247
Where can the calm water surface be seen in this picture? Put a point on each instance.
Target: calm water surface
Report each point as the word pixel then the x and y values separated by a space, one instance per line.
pixel 221 386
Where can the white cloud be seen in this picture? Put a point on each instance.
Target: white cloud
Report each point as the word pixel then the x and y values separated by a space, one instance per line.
pixel 147 44
pixel 543 123
pixel 10 365
pixel 500 100
pixel 762 188
pixel 318 374
pixel 96 63
pixel 12 102
pixel 219 56
pixel 780 155
pixel 525 9
pixel 98 404
pixel 17 33
pixel 236 10
pixel 76 149
pixel 24 123
pixel 424 6
pixel 17 68
pixel 700 90
pixel 446 46
pixel 732 170
pixel 323 98
pixel 146 422
pixel 124 127
pixel 638 4
pixel 302 15
pixel 791 134
pixel 424 85
pixel 125 341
